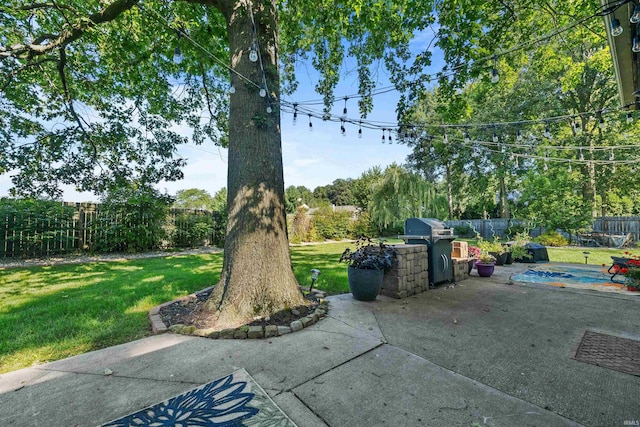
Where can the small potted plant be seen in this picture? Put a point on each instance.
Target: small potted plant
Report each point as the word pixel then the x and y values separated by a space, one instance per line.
pixel 494 248
pixel 518 248
pixel 474 254
pixel 632 279
pixel 366 267
pixel 485 264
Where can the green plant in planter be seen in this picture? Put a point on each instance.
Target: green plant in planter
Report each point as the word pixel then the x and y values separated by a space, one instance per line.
pixel 486 258
pixel 633 277
pixel 369 255
pixel 518 247
pixel 367 264
pixel 489 246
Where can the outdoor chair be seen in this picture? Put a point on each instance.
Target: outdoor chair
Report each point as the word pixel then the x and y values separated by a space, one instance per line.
pixel 621 266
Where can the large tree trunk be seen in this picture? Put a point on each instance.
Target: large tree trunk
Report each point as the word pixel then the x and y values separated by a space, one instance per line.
pixel 449 190
pixel 257 278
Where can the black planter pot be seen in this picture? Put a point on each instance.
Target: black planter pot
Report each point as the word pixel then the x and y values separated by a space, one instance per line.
pixel 509 259
pixel 471 263
pixel 500 258
pixel 365 284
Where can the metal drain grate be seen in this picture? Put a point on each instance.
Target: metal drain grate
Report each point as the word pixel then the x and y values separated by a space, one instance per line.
pixel 608 351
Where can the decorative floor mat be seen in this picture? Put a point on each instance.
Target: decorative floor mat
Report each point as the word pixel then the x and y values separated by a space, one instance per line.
pixel 234 400
pixel 608 351
pixel 572 276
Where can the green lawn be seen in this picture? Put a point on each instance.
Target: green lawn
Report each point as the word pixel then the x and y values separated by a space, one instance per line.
pixel 49 313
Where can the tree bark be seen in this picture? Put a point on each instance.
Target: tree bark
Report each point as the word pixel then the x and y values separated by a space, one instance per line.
pixel 449 190
pixel 257 278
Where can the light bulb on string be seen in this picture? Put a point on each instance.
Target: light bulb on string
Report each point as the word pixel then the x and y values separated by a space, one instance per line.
pixel 581 155
pixel 635 16
pixel 253 53
pixel 601 123
pixel 616 28
pixel 177 55
pixel 343 131
pixel 344 110
pixel 576 127
pixel 263 91
pixel 629 118
pixel 390 139
pixel 360 130
pixel 517 163
pixel 547 132
pixel 269 108
pixel 635 47
pixel 445 138
pixel 569 170
pixel 383 131
pixel 495 76
pixel 310 124
pixel 467 139
pixel 545 167
pixel 495 136
pixel 519 136
pixel 295 113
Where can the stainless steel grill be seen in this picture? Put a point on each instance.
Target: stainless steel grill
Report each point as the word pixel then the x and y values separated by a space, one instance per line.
pixel 437 236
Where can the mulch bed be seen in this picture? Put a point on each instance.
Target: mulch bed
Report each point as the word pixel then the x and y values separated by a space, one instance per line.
pixel 182 312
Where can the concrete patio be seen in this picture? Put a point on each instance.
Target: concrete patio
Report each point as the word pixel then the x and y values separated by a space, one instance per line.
pixel 482 352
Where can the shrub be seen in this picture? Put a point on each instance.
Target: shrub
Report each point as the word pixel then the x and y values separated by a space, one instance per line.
pixel 551 238
pixel 363 225
pixel 463 230
pixel 332 225
pixel 302 227
pixel 31 227
pixel 192 229
pixel 130 221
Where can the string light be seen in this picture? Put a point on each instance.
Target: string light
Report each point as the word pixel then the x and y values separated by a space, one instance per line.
pixel 295 113
pixel 616 28
pixel 445 138
pixel 601 123
pixel 310 124
pixel 177 55
pixel 390 139
pixel 547 132
pixel 342 128
pixel 360 130
pixel 383 131
pixel 269 108
pixel 581 155
pixel 629 118
pixel 569 170
pixel 635 16
pixel 495 136
pixel 495 76
pixel 519 136
pixel 253 52
pixel 344 110
pixel 263 91
pixel 635 47
pixel 467 139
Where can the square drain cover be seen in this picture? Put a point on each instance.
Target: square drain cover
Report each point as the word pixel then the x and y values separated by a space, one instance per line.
pixel 608 351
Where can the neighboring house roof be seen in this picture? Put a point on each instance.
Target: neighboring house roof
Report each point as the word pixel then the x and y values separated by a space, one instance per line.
pixel 625 61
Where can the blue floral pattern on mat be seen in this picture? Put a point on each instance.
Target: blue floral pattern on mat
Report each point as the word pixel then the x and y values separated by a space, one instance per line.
pixel 223 402
pixel 549 274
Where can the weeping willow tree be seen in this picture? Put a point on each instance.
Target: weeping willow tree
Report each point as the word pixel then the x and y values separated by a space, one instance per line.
pixel 401 194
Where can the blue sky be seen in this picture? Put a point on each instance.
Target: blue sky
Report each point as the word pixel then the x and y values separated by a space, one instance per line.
pixel 311 158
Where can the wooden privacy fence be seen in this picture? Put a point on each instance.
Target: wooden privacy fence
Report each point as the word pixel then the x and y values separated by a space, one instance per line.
pixel 65 227
pixel 619 225
pixel 488 228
